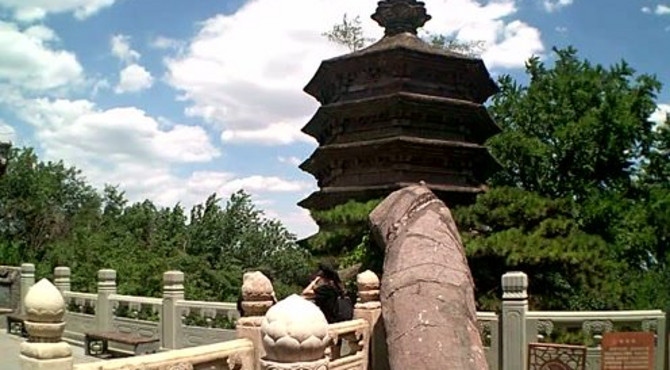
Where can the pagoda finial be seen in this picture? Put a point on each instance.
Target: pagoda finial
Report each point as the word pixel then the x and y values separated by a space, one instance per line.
pixel 399 16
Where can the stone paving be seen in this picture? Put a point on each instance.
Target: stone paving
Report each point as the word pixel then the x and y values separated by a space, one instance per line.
pixel 9 353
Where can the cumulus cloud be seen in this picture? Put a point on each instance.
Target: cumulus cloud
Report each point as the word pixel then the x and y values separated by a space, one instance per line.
pixel 7 132
pixel 34 10
pixel 248 84
pixel 554 5
pixel 134 78
pixel 148 158
pixel 121 49
pixel 646 9
pixel 275 133
pixel 28 59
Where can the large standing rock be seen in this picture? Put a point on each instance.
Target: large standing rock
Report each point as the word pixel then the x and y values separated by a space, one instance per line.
pixel 427 291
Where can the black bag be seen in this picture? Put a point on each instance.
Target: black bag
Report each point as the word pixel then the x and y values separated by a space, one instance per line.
pixel 344 309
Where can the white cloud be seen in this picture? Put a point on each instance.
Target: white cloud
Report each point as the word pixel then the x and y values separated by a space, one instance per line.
pixel 561 29
pixel 662 9
pixel 7 132
pixel 28 60
pixel 515 37
pixel 120 45
pixel 293 161
pixel 646 9
pixel 661 114
pixel 554 5
pixel 33 10
pixel 162 42
pixel 248 84
pixel 275 134
pixel 133 78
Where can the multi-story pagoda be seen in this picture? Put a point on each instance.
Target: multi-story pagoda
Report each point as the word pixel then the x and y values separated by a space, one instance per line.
pixel 397 113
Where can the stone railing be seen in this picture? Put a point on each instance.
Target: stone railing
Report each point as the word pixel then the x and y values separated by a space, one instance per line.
pixel 293 334
pixel 234 354
pixel 521 326
pixel 349 344
pixel 356 344
pixel 540 325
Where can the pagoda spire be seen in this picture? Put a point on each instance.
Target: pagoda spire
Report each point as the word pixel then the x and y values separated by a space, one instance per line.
pixel 400 16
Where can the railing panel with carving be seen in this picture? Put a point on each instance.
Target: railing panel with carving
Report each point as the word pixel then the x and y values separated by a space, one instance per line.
pixel 236 354
pixel 350 341
pixel 593 324
pixel 220 315
pixel 488 324
pixel 76 324
pixel 137 308
pixel 80 302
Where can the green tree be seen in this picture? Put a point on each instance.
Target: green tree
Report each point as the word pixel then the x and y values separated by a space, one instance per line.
pixel 581 204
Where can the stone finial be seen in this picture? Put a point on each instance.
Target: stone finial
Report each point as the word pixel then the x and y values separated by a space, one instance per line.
pixel 44 349
pixel 515 285
pixel 107 281
pixel 44 303
pixel 62 278
pixel 257 294
pixel 294 331
pixel 173 284
pixel 27 269
pixel 400 16
pixel 368 290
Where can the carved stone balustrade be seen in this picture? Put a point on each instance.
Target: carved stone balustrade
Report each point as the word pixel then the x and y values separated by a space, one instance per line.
pixel 45 308
pixel 257 298
pixel 295 336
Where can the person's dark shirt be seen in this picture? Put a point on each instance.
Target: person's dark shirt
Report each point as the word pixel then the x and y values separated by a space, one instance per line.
pixel 325 297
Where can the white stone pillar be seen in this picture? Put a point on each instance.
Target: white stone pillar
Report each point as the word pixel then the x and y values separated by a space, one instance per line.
pixel 295 336
pixel 257 298
pixel 173 291
pixel 514 308
pixel 44 349
pixel 104 312
pixel 62 279
pixel 27 281
pixel 369 308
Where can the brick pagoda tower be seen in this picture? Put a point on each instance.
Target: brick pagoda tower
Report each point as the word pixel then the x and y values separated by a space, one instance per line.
pixel 399 112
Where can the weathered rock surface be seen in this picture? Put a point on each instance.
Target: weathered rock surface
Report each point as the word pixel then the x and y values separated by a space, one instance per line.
pixel 427 291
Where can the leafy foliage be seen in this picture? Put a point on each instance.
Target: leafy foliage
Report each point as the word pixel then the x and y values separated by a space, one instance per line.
pixel 50 215
pixel 348 33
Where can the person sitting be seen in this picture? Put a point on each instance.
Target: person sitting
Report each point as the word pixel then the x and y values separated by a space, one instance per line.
pixel 327 292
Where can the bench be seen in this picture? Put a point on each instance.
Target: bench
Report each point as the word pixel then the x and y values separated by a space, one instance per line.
pixel 97 344
pixel 15 325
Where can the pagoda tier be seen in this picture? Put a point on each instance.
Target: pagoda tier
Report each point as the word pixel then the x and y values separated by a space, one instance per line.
pixel 397 113
pixel 376 167
pixel 401 114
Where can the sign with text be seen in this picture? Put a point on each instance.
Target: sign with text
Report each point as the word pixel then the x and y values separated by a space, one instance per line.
pixel 628 351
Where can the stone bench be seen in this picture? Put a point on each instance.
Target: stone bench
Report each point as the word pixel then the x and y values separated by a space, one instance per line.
pixel 97 344
pixel 15 325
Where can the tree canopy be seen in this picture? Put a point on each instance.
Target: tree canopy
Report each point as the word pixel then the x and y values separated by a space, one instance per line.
pixel 51 216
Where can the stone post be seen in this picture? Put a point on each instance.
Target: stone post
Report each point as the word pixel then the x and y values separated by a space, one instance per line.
pixel 44 349
pixel 514 308
pixel 369 308
pixel 104 312
pixel 27 281
pixel 173 292
pixel 295 336
pixel 62 279
pixel 257 298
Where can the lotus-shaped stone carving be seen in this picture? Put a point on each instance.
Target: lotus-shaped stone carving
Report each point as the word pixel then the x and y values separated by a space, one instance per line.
pixel 294 330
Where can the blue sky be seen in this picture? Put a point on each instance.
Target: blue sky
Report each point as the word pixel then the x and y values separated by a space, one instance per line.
pixel 173 100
